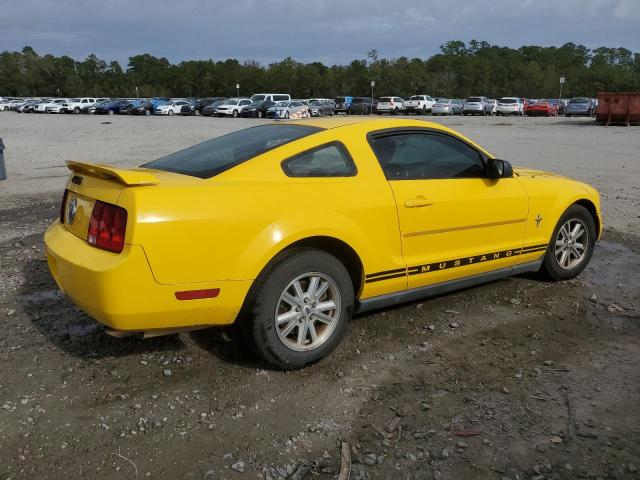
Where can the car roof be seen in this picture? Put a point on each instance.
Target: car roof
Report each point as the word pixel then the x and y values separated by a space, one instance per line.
pixel 367 124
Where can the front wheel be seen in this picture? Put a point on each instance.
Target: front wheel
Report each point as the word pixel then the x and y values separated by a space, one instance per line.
pixel 300 309
pixel 170 112
pixel 571 244
pixel 235 114
pixel 259 114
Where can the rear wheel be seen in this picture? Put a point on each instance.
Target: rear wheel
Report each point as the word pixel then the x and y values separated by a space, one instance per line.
pixel 109 112
pixel 571 244
pixel 300 309
pixel 147 112
pixel 235 114
pixel 259 114
pixel 76 110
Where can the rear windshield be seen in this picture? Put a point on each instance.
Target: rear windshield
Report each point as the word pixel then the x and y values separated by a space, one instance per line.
pixel 416 97
pixel 385 99
pixel 508 100
pixel 579 100
pixel 474 99
pixel 209 158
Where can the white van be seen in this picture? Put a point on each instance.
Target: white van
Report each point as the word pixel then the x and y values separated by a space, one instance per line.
pixel 271 97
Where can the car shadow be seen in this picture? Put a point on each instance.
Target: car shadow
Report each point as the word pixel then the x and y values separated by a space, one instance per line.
pixel 228 345
pixel 72 331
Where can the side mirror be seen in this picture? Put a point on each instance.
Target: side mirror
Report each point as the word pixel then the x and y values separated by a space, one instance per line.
pixel 498 169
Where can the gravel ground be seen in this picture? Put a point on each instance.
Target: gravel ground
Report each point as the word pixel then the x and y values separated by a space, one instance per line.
pixel 517 379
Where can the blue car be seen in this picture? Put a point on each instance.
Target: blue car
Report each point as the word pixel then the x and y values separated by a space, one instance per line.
pixel 114 106
pixel 580 106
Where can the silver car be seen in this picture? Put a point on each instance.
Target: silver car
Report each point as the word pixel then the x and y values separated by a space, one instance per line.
pixel 477 106
pixel 446 107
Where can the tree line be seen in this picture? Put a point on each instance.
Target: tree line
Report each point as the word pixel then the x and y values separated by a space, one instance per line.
pixel 458 70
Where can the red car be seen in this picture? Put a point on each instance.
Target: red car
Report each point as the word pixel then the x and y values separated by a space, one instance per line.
pixel 542 108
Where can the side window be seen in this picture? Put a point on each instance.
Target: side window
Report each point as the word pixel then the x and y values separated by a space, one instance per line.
pixel 330 160
pixel 411 156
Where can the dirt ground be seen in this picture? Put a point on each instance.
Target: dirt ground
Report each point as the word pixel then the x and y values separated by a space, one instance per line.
pixel 517 379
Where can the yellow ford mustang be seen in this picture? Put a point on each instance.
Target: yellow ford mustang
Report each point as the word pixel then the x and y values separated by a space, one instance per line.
pixel 291 228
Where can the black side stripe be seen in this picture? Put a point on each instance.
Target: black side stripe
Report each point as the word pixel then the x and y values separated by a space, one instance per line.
pixel 386 272
pixel 458 262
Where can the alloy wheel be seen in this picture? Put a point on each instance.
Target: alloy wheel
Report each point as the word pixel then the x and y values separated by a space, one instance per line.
pixel 308 311
pixel 572 244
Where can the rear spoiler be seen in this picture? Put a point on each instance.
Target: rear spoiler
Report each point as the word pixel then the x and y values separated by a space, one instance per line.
pixel 127 177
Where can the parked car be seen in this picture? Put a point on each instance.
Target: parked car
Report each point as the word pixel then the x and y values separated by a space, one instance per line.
pixel 145 107
pixel 41 106
pixel 232 107
pixel 257 109
pixel 210 110
pixel 55 106
pixel 510 106
pixel 390 105
pixel 446 107
pixel 477 106
pixel 580 106
pixel 75 105
pixel 542 108
pixel 420 104
pixel 27 107
pixel 201 103
pixel 294 278
pixel 270 97
pixel 494 105
pixel 320 107
pixel 342 104
pixel 111 107
pixel 92 108
pixel 292 109
pixel 8 103
pixel 362 106
pixel 171 107
pixel 527 102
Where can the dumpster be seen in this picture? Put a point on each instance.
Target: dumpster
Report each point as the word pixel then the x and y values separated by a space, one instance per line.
pixel 3 170
pixel 618 107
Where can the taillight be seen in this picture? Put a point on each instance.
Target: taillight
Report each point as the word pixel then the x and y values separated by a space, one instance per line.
pixel 107 226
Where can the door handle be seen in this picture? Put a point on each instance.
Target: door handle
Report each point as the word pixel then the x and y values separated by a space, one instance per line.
pixel 417 202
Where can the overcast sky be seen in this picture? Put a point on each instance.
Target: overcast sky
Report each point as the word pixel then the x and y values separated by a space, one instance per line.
pixel 330 31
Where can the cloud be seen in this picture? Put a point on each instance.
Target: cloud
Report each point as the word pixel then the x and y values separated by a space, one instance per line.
pixel 333 31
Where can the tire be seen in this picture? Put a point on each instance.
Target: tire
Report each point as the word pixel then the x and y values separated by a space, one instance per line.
pixel 235 114
pixel 147 112
pixel 196 112
pixel 170 112
pixel 551 265
pixel 259 114
pixel 269 340
pixel 110 112
pixel 76 110
pixel 286 115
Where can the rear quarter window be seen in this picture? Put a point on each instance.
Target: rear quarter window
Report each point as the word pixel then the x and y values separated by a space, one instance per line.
pixel 329 160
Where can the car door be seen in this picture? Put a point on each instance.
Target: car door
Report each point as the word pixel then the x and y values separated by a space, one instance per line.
pixel 454 221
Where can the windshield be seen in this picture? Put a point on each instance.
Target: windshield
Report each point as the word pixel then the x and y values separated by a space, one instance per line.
pixel 474 99
pixel 258 98
pixel 508 100
pixel 208 159
pixel 579 100
pixel 231 102
pixel 315 103
pixel 385 99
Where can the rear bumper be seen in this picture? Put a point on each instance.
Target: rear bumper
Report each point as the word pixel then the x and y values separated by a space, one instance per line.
pixel 119 290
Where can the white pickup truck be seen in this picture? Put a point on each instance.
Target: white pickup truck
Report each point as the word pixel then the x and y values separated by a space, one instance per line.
pixel 75 105
pixel 418 104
